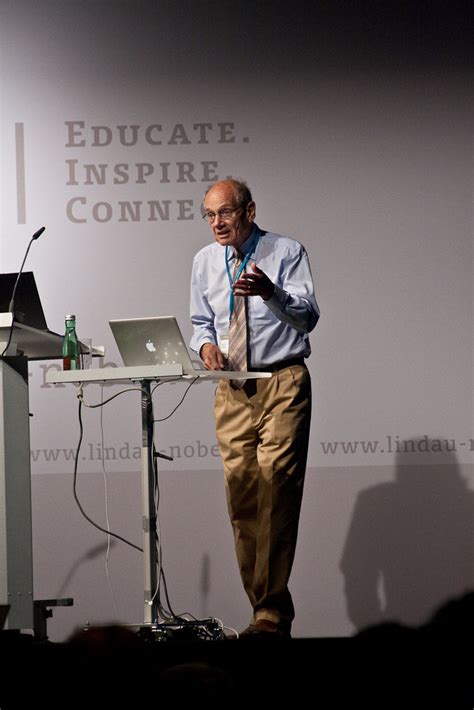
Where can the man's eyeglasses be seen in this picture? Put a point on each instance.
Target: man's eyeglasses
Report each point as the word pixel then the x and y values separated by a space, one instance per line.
pixel 225 214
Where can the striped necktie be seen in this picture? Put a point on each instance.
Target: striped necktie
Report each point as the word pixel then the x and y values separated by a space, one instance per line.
pixel 238 331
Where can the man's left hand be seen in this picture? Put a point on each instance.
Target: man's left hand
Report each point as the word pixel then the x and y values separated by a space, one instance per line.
pixel 254 284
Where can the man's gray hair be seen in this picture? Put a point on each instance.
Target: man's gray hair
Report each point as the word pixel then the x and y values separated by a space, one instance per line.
pixel 241 191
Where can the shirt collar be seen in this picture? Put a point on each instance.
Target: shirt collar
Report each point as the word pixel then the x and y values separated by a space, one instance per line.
pixel 245 248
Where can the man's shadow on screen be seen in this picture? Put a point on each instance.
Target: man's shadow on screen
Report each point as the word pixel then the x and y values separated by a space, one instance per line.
pixel 410 544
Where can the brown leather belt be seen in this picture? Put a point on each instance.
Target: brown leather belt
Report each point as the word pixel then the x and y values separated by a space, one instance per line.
pixel 275 366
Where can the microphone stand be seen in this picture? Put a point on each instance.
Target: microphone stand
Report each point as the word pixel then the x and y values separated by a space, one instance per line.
pixel 11 305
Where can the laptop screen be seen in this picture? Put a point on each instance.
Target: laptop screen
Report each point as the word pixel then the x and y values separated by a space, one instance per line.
pixel 151 341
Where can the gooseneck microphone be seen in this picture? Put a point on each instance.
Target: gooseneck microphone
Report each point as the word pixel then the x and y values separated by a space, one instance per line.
pixel 37 234
pixel 11 305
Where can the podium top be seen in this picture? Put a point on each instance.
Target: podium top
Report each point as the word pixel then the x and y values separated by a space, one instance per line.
pixel 146 372
pixel 34 343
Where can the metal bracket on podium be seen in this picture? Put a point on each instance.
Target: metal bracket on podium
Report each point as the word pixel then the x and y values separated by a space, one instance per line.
pixel 42 611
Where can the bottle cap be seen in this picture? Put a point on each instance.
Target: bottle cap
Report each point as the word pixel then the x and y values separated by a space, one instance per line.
pixel 70 317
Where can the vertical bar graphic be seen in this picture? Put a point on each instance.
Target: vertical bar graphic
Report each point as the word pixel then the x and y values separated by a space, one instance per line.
pixel 20 173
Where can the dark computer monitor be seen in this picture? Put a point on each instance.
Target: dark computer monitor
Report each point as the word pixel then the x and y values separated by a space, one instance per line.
pixel 28 308
pixel 4 609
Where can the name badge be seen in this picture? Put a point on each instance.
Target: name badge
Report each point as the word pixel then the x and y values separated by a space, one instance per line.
pixel 224 344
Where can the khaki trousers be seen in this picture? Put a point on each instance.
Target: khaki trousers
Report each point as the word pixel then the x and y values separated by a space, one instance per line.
pixel 263 434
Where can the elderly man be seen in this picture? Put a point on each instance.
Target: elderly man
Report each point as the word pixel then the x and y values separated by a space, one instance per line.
pixel 252 307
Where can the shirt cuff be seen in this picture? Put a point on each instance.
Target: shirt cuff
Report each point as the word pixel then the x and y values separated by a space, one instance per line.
pixel 197 343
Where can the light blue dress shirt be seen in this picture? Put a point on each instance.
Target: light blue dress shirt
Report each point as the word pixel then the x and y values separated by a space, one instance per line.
pixel 278 327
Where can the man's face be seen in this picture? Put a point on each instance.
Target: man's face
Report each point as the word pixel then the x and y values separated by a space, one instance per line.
pixel 234 229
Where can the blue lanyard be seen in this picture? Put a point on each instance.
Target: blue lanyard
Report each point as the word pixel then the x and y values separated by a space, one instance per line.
pixel 239 271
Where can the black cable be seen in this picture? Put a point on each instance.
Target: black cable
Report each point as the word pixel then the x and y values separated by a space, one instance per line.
pixel 156 491
pixel 163 611
pixel 179 403
pixel 165 586
pixel 101 404
pixel 164 382
pixel 107 532
pixel 9 338
pixel 11 305
pixel 94 406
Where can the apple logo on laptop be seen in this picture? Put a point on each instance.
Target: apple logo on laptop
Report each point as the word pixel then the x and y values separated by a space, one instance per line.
pixel 150 347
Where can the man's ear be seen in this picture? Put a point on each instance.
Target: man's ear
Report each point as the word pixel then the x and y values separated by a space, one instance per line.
pixel 251 211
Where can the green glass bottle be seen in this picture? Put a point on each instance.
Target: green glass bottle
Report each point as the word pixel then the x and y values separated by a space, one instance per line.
pixel 71 359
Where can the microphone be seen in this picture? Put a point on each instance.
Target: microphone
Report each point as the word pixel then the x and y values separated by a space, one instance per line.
pixel 11 305
pixel 38 233
pixel 35 236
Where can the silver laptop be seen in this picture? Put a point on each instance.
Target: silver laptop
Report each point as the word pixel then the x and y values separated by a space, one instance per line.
pixel 151 341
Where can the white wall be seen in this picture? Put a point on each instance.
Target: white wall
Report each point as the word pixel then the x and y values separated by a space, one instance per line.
pixel 354 139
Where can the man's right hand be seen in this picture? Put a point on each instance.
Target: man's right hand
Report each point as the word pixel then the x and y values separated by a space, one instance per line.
pixel 212 357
